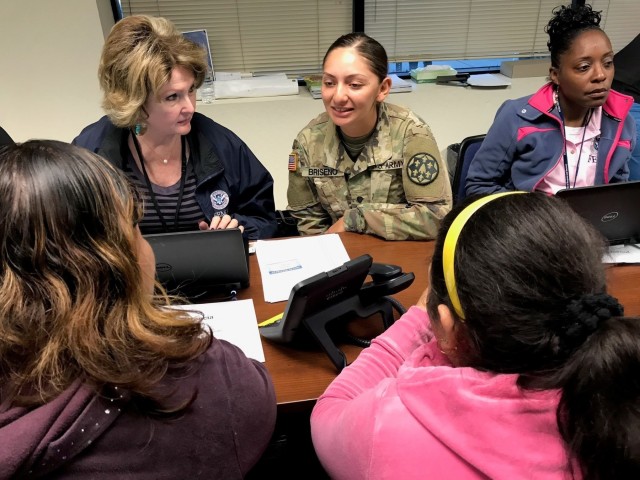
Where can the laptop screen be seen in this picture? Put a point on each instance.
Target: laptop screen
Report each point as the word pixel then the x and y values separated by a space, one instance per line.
pixel 201 264
pixel 612 209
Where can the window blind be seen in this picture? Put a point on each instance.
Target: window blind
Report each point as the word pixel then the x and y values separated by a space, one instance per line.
pixel 620 20
pixel 468 29
pixel 258 36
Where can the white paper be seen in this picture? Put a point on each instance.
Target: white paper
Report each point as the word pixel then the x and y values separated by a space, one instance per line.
pixel 226 76
pixel 622 254
pixel 234 321
pixel 399 85
pixel 489 80
pixel 263 86
pixel 283 263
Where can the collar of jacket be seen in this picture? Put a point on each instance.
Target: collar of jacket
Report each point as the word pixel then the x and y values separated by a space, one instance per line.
pixel 205 161
pixel 114 146
pixel 376 151
pixel 208 164
pixel 616 106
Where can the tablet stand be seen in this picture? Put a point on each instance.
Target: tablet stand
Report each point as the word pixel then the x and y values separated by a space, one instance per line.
pixel 318 322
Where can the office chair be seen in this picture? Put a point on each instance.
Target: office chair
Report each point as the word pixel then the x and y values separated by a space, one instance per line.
pixel 468 149
pixel 5 139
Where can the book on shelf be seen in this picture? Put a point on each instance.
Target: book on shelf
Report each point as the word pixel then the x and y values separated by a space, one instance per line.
pixel 314 85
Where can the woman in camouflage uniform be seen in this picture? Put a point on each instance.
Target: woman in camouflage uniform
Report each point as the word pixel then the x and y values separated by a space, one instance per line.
pixel 366 166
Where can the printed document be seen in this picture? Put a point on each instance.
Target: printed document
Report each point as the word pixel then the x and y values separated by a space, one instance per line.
pixel 234 321
pixel 284 263
pixel 629 253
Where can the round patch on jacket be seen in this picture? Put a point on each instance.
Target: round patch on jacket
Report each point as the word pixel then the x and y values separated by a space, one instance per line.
pixel 219 199
pixel 422 169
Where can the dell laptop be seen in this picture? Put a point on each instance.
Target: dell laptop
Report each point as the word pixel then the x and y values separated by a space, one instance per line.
pixel 201 264
pixel 614 209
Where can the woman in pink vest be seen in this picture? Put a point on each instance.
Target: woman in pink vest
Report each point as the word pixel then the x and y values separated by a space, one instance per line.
pixel 515 364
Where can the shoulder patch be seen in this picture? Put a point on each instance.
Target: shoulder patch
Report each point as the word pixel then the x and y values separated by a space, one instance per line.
pixel 293 161
pixel 422 168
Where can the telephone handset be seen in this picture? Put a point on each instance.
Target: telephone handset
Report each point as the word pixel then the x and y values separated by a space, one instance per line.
pixel 337 293
pixel 386 279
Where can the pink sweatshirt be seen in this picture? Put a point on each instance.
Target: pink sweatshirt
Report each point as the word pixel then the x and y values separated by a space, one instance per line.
pixel 401 411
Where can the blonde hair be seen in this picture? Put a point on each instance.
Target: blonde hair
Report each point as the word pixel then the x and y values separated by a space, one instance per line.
pixel 72 301
pixel 137 59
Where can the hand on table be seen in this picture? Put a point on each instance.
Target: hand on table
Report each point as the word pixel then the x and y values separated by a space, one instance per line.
pixel 220 223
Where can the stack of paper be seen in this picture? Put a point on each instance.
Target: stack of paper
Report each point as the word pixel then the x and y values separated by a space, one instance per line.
pixel 628 253
pixel 430 73
pixel 399 85
pixel 314 84
pixel 489 80
pixel 263 86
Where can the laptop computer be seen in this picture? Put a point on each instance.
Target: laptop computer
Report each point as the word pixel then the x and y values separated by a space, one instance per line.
pixel 613 209
pixel 200 264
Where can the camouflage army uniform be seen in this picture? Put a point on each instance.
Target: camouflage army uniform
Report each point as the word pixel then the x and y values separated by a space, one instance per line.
pixel 398 187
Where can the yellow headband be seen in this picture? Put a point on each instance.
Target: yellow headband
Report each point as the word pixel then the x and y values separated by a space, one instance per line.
pixel 450 241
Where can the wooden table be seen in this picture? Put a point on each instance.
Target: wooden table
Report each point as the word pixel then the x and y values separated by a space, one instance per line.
pixel 300 376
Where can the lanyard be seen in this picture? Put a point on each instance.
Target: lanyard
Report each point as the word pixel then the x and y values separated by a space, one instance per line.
pixel 565 156
pixel 183 172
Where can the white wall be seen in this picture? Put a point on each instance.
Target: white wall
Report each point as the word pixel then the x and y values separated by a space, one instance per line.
pixel 49 88
pixel 49 63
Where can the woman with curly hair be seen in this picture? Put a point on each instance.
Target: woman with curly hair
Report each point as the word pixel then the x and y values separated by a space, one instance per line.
pixel 575 131
pixel 515 364
pixel 98 378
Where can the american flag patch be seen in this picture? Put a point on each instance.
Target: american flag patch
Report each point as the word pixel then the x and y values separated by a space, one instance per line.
pixel 293 161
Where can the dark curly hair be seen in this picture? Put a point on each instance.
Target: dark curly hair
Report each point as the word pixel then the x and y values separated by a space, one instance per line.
pixel 531 283
pixel 566 24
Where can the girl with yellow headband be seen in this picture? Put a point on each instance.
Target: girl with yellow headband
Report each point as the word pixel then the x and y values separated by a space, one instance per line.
pixel 515 363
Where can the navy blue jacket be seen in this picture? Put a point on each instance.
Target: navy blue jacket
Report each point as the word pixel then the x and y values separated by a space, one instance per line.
pixel 223 164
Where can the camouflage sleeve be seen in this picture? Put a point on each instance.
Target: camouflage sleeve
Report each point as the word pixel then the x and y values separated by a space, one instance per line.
pixel 302 196
pixel 427 190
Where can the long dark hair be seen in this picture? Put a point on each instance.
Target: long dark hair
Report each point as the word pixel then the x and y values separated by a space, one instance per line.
pixel 532 287
pixel 72 301
pixel 370 49
pixel 566 24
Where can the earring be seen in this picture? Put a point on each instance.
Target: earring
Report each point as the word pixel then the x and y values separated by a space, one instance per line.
pixel 439 343
pixel 443 348
pixel 139 129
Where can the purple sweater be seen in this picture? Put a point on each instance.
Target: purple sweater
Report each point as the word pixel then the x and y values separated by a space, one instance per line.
pixel 85 436
pixel 402 411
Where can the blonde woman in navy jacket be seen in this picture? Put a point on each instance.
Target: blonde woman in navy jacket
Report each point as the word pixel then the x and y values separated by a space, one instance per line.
pixel 190 172
pixel 574 131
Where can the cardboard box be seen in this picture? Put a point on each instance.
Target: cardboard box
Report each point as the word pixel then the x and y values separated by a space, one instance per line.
pixel 526 68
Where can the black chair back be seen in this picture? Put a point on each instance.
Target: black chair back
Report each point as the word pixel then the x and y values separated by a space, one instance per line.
pixel 468 148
